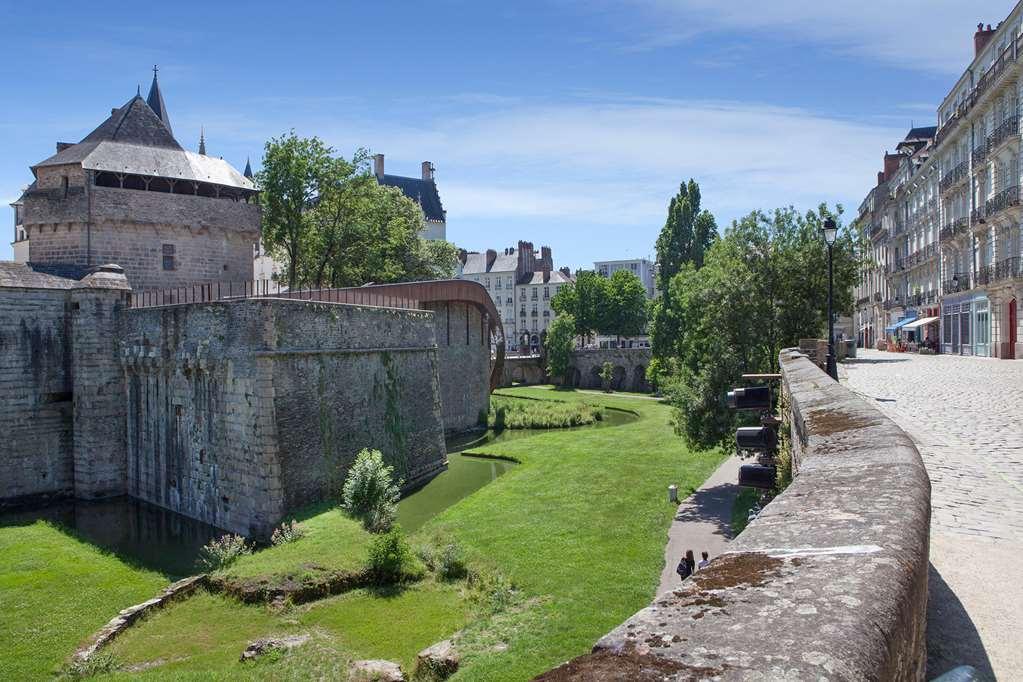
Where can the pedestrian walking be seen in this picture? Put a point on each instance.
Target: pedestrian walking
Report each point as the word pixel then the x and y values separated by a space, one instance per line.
pixel 704 562
pixel 687 565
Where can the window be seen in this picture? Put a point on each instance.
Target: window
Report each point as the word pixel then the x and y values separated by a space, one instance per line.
pixel 497 283
pixel 546 293
pixel 486 282
pixel 534 296
pixel 509 285
pixel 168 257
pixel 522 294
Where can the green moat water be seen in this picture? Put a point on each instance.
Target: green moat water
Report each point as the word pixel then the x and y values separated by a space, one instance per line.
pixel 168 542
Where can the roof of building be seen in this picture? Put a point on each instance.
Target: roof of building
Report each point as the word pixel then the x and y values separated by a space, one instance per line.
pixel 921 133
pixel 35 276
pixel 155 102
pixel 553 277
pixel 476 263
pixel 135 140
pixel 422 191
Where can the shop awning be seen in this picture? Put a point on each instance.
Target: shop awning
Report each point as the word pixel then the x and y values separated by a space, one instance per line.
pixel 901 323
pixel 921 322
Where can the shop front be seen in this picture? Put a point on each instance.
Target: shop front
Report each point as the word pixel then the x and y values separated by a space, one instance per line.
pixel 966 326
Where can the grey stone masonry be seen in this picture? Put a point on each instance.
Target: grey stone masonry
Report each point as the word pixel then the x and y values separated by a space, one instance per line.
pixel 97 306
pixel 829 582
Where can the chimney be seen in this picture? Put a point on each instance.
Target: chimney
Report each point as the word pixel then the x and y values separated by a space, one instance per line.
pixel 546 262
pixel 880 177
pixel 981 38
pixel 463 255
pixel 566 272
pixel 525 264
pixel 891 165
pixel 378 165
pixel 61 146
pixel 491 257
pixel 428 170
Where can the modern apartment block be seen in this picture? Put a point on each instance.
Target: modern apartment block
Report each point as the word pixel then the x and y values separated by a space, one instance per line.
pixel 640 267
pixel 943 221
pixel 521 283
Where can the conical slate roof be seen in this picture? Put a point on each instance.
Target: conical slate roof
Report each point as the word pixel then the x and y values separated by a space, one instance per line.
pixel 155 102
pixel 248 169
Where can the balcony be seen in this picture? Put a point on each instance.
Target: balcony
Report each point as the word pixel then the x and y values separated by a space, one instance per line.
pixel 959 282
pixel 978 215
pixel 954 228
pixel 955 176
pixel 1010 268
pixel 862 300
pixel 1006 198
pixel 985 275
pixel 877 297
pixel 898 228
pixel 1006 130
pixel 876 230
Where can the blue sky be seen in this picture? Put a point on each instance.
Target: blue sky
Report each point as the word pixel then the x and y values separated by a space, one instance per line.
pixel 564 123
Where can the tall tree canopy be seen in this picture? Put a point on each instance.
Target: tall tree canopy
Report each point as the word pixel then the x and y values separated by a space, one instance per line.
pixel 687 235
pixel 615 305
pixel 625 313
pixel 333 225
pixel 762 288
pixel 558 346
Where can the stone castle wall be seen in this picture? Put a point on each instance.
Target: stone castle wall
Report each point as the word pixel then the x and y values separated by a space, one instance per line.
pixel 239 412
pixel 463 351
pixel 212 239
pixel 35 394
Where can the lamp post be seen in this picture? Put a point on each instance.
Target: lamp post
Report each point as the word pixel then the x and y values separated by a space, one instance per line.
pixel 830 230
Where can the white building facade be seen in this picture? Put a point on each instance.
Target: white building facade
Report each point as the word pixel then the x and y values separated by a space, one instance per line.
pixel 522 284
pixel 640 267
pixel 943 223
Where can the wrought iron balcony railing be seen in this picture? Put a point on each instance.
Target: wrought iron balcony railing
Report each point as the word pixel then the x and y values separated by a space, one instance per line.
pixel 1010 268
pixel 1005 130
pixel 954 228
pixel 1003 200
pixel 978 215
pixel 954 176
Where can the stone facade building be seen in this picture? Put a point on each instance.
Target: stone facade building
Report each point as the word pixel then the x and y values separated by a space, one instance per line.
pixel 521 284
pixel 944 220
pixel 129 193
pixel 640 267
pixel 422 190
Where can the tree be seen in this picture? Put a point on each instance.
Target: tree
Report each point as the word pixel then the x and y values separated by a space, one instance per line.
pixel 558 346
pixel 585 301
pixel 687 235
pixel 290 180
pixel 334 225
pixel 763 286
pixel 607 375
pixel 625 313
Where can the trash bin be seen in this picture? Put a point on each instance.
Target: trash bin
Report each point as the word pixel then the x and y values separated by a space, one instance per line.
pixel 850 348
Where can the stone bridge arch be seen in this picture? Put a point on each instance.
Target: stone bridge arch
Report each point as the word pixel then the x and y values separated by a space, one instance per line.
pixel 629 372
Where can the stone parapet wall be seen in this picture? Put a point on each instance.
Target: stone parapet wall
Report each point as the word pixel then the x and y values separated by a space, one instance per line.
pixel 629 368
pixel 463 351
pixel 241 411
pixel 829 582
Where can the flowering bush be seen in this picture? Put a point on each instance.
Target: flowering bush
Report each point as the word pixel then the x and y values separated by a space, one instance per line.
pixel 222 552
pixel 287 532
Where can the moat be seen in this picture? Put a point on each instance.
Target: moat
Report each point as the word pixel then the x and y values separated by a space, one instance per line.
pixel 162 540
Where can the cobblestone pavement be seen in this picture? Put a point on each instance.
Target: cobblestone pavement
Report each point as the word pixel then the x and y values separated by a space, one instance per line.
pixel 966 416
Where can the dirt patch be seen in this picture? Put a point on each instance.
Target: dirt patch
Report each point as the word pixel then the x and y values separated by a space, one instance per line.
pixel 830 422
pixel 628 665
pixel 288 588
pixel 750 569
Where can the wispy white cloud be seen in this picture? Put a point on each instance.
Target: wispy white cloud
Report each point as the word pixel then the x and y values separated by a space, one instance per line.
pixel 928 35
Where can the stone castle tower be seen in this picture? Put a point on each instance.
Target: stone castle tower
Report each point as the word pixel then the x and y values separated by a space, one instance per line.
pixel 129 194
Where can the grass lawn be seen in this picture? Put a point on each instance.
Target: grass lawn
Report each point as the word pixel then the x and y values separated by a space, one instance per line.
pixel 333 541
pixel 201 638
pixel 513 413
pixel 56 590
pixel 581 525
pixel 578 527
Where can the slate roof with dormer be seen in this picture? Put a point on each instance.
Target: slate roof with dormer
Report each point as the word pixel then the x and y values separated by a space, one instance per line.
pixel 476 263
pixel 134 140
pixel 422 191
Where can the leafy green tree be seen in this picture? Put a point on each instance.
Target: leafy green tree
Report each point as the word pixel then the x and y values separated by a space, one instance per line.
pixel 607 375
pixel 625 312
pixel 559 343
pixel 290 180
pixel 370 493
pixel 687 235
pixel 585 301
pixel 762 288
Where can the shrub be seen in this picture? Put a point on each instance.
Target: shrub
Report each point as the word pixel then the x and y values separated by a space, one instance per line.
pixel 447 560
pixel 287 532
pixel 607 374
pixel 370 493
pixel 517 413
pixel 490 592
pixel 222 552
pixel 100 663
pixel 391 559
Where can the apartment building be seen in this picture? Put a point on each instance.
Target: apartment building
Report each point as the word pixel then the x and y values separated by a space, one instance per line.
pixel 943 220
pixel 521 282
pixel 640 267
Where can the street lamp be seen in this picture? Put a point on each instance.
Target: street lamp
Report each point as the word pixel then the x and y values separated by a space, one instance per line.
pixel 830 230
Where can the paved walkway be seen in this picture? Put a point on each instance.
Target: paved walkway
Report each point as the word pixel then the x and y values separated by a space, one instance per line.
pixel 966 416
pixel 703 521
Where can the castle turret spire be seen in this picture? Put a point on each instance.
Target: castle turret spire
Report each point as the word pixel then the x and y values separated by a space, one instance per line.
pixel 248 169
pixel 155 101
pixel 202 140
